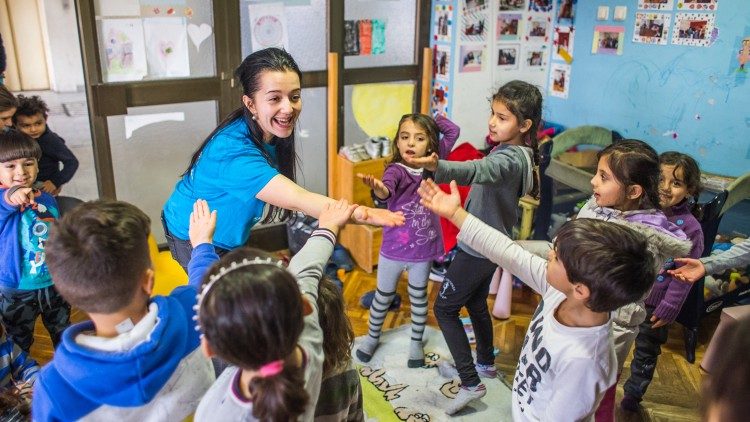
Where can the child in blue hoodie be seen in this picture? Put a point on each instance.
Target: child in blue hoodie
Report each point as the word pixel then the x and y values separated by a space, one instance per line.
pixel 26 288
pixel 139 357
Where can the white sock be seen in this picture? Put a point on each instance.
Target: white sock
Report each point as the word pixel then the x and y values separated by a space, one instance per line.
pixel 465 396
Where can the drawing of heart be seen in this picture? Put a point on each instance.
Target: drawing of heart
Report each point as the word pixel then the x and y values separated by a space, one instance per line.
pixel 198 34
pixel 166 48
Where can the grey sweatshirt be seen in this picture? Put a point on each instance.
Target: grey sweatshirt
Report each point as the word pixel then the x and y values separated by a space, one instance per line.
pixel 737 256
pixel 497 181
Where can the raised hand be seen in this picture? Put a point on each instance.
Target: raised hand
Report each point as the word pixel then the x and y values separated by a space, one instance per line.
pixel 375 184
pixel 441 203
pixel 429 162
pixel 202 223
pixel 378 217
pixel 335 214
pixel 690 271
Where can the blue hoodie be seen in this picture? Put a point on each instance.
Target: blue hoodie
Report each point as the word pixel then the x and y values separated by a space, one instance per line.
pixel 81 380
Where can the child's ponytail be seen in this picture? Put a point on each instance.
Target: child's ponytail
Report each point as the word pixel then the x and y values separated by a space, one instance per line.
pixel 280 396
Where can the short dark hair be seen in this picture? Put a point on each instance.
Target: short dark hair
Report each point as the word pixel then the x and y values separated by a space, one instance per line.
pixel 251 316
pixel 612 260
pixel 30 106
pixel 634 162
pixel 338 335
pixel 7 99
pixel 15 144
pixel 97 254
pixel 726 388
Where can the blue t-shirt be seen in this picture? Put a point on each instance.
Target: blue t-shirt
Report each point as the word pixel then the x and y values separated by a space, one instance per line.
pixel 33 231
pixel 229 173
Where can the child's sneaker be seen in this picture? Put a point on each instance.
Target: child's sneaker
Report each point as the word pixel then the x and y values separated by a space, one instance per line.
pixel 630 403
pixel 465 396
pixel 366 301
pixel 486 371
pixel 373 147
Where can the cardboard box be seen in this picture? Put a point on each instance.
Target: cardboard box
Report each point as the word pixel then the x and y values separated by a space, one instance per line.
pixel 582 159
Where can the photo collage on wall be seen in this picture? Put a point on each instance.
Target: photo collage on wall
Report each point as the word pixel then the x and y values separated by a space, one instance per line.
pixel 688 27
pixel 364 37
pixel 442 56
pixel 475 28
pixel 562 31
pixel 523 30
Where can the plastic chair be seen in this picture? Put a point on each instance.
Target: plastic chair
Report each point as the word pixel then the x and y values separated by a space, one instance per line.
pixel 168 274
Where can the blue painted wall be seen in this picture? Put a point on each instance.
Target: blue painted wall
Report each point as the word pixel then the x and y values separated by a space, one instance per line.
pixel 652 90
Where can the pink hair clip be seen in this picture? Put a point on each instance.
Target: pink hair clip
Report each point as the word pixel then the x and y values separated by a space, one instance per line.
pixel 271 368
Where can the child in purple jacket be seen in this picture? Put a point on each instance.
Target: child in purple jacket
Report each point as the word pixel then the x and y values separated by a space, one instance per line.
pixel 679 187
pixel 413 246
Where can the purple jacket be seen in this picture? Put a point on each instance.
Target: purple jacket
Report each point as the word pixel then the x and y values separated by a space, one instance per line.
pixel 668 294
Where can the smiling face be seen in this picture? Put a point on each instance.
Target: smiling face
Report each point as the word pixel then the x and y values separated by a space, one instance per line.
pixel 277 103
pixel 19 172
pixel 33 126
pixel 504 125
pixel 672 186
pixel 413 140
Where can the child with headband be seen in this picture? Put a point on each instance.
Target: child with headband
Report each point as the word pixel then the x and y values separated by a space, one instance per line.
pixel 263 319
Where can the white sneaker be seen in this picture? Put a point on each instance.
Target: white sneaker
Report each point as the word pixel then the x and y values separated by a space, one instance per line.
pixel 386 146
pixel 360 150
pixel 373 147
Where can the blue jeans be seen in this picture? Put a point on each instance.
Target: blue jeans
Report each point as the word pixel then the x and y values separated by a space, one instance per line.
pixel 181 249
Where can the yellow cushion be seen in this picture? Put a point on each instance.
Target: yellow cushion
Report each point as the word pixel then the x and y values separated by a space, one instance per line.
pixel 168 273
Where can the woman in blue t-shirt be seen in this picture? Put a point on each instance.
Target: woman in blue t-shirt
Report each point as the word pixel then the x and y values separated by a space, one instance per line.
pixel 249 161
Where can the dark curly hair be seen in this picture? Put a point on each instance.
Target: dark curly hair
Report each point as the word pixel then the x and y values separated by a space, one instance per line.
pixel 30 106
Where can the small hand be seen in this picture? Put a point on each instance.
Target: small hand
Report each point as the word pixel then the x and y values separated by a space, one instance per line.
pixel 690 271
pixel 49 187
pixel 658 322
pixel 202 223
pixel 375 184
pixel 437 201
pixel 429 162
pixel 335 214
pixel 378 217
pixel 22 196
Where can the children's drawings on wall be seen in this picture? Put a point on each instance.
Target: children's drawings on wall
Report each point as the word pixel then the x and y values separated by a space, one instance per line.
pixel 564 43
pixel 655 4
pixel 566 12
pixel 535 58
pixel 744 55
pixel 651 28
pixel 540 5
pixel 166 47
pixel 364 37
pixel 443 24
pixel 475 25
pixel 124 52
pixel 559 80
pixel 198 34
pixel 509 26
pixel 351 38
pixel 471 58
pixel 608 40
pixel 268 26
pixel 378 36
pixel 515 5
pixel 693 29
pixel 442 62
pixel 439 102
pixel 538 29
pixel 707 5
pixel 508 56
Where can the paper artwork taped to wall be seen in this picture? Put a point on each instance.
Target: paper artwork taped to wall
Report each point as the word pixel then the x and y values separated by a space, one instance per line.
pixel 512 5
pixel 702 5
pixel 475 25
pixel 443 25
pixel 442 62
pixel 364 37
pixel 439 101
pixel 268 26
pixel 166 47
pixel 693 29
pixel 651 28
pixel 123 50
pixel 535 58
pixel 744 55
pixel 564 43
pixel 566 12
pixel 608 40
pixel 540 5
pixel 472 58
pixel 655 4
pixel 473 5
pixel 509 26
pixel 559 80
pixel 508 56
pixel 538 29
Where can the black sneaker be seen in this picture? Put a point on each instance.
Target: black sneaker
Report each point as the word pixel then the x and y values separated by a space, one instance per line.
pixel 437 272
pixel 366 301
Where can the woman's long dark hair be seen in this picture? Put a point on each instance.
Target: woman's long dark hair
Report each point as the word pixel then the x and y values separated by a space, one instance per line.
pixel 249 74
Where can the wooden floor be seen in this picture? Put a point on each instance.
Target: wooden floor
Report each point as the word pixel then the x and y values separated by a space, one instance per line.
pixel 672 396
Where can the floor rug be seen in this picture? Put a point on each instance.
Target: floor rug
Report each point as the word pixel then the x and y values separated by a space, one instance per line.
pixel 394 392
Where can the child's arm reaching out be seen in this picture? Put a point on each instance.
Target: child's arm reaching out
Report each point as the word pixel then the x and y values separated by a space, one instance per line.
pixel 377 185
pixel 497 247
pixel 201 231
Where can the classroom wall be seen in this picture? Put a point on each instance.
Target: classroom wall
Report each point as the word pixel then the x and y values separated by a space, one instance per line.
pixel 654 92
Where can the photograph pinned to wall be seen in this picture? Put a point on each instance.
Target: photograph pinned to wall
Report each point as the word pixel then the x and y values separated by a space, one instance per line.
pixel 442 62
pixel 508 56
pixel 509 26
pixel 439 101
pixel 512 5
pixel 268 26
pixel 535 58
pixel 538 29
pixel 166 47
pixel 651 28
pixel 707 5
pixel 475 25
pixel 351 38
pixel 124 50
pixel 693 29
pixel 471 58
pixel 540 5
pixel 559 80
pixel 443 24
pixel 744 55
pixel 608 40
pixel 474 5
pixel 566 12
pixel 563 43
pixel 655 4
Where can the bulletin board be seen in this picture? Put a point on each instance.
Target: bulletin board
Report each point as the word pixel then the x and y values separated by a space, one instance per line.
pixel 690 98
